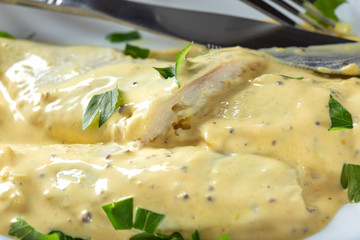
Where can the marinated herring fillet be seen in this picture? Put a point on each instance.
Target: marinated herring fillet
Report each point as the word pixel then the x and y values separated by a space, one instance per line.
pixel 242 147
pixel 53 85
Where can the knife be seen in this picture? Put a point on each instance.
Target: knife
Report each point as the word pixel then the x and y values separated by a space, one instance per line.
pixel 204 28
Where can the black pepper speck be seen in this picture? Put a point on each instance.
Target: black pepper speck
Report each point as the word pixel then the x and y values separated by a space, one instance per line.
pixel 311 209
pixel 151 156
pixel 209 198
pixel 121 108
pixel 210 187
pixel 184 168
pixel 86 216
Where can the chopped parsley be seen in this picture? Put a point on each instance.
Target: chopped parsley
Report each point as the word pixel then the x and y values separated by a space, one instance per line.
pixel 166 72
pixel 180 59
pixel 103 104
pixel 170 72
pixel 120 215
pixel 21 229
pixel 136 52
pixel 339 116
pixel 147 220
pixel 350 178
pixel 195 235
pixel 6 35
pixel 296 78
pixel 123 37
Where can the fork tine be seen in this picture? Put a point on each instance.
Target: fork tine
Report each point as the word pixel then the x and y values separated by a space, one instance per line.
pixel 301 15
pixel 270 11
pixel 315 12
pixel 280 17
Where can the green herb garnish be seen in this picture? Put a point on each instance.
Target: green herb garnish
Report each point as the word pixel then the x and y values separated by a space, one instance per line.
pixel 180 59
pixel 174 71
pixel 157 236
pixel 195 235
pixel 6 35
pixel 225 237
pixel 339 116
pixel 120 215
pixel 296 78
pixel 166 72
pixel 327 7
pixel 21 229
pixel 62 236
pixel 147 220
pixel 123 37
pixel 103 104
pixel 136 52
pixel 350 178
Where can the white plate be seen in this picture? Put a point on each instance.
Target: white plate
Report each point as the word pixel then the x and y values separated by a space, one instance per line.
pixel 66 29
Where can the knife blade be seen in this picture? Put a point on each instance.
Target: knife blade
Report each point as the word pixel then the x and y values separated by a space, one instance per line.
pixel 201 27
pixel 215 29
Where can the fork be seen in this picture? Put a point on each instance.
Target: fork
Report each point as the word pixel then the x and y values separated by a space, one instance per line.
pixel 304 10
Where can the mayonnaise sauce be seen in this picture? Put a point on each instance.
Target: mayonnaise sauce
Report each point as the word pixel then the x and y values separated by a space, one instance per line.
pixel 237 149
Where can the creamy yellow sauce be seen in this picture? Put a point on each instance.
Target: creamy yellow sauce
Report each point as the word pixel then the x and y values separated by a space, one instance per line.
pixel 238 149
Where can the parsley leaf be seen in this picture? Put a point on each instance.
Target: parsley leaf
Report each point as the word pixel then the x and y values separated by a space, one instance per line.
pixel 21 229
pixel 123 37
pixel 157 236
pixel 6 35
pixel 350 178
pixel 339 116
pixel 195 235
pixel 103 104
pixel 147 220
pixel 64 237
pixel 166 72
pixel 327 7
pixel 180 59
pixel 225 237
pixel 136 52
pixel 145 236
pixel 174 71
pixel 120 213
pixel 296 78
